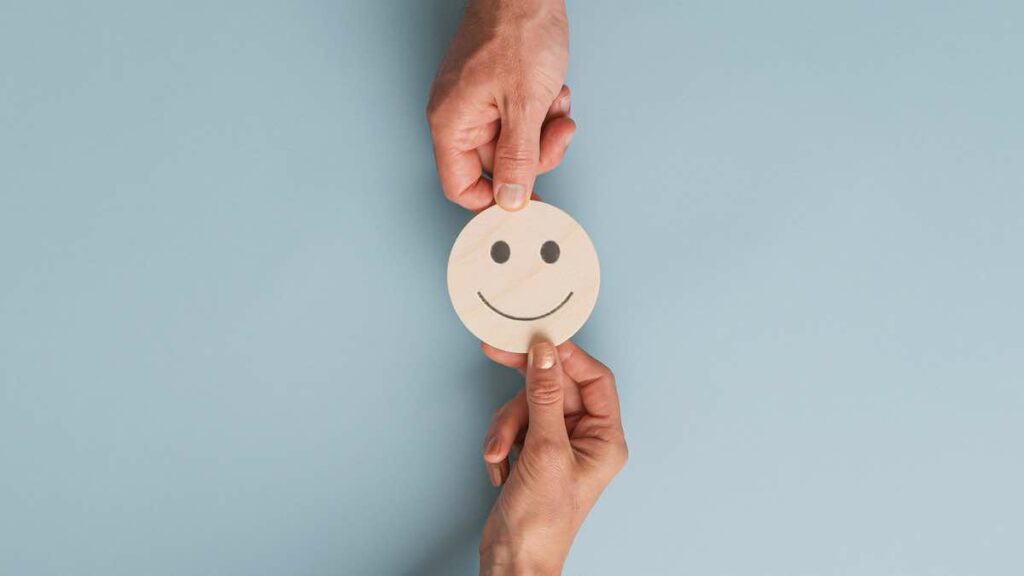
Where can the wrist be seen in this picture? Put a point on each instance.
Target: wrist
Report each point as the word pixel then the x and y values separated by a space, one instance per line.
pixel 507 558
pixel 518 4
pixel 516 9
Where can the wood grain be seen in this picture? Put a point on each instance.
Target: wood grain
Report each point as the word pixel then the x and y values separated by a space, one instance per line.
pixel 512 303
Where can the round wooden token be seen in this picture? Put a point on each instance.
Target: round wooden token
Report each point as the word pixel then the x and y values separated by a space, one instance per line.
pixel 518 277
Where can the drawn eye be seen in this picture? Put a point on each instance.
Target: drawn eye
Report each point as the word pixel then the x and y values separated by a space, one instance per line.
pixel 549 251
pixel 500 252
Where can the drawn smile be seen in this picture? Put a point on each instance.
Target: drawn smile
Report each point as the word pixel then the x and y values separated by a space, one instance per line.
pixel 523 318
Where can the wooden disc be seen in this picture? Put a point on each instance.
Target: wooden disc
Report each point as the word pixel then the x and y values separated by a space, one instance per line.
pixel 516 277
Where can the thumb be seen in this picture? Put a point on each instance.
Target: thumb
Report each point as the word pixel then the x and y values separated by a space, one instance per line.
pixel 544 396
pixel 516 158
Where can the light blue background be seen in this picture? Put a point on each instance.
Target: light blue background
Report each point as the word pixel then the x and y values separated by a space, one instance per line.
pixel 226 346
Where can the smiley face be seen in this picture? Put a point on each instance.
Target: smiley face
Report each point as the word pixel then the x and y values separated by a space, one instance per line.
pixel 516 277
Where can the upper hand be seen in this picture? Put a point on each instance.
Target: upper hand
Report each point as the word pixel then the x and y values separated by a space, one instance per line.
pixel 498 103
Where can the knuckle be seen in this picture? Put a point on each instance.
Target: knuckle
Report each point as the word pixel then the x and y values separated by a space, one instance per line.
pixel 516 156
pixel 433 113
pixel 442 117
pixel 433 125
pixel 523 99
pixel 517 98
pixel 548 391
pixel 515 161
pixel 451 194
pixel 607 373
pixel 620 455
pixel 514 153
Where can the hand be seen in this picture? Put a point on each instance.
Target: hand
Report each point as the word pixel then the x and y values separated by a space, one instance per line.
pixel 572 449
pixel 498 103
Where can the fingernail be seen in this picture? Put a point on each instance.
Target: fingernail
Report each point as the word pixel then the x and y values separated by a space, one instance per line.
pixel 542 356
pixel 511 196
pixel 491 448
pixel 564 104
pixel 495 476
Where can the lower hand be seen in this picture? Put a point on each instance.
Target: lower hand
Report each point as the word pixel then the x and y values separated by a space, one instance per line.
pixel 568 421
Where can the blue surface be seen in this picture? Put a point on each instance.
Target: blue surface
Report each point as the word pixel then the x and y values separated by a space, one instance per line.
pixel 226 346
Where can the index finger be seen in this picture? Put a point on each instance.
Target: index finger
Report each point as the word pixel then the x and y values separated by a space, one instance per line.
pixel 462 178
pixel 458 126
pixel 596 382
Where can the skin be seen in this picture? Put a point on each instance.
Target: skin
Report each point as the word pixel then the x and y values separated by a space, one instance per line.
pixel 499 115
pixel 499 105
pixel 567 421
